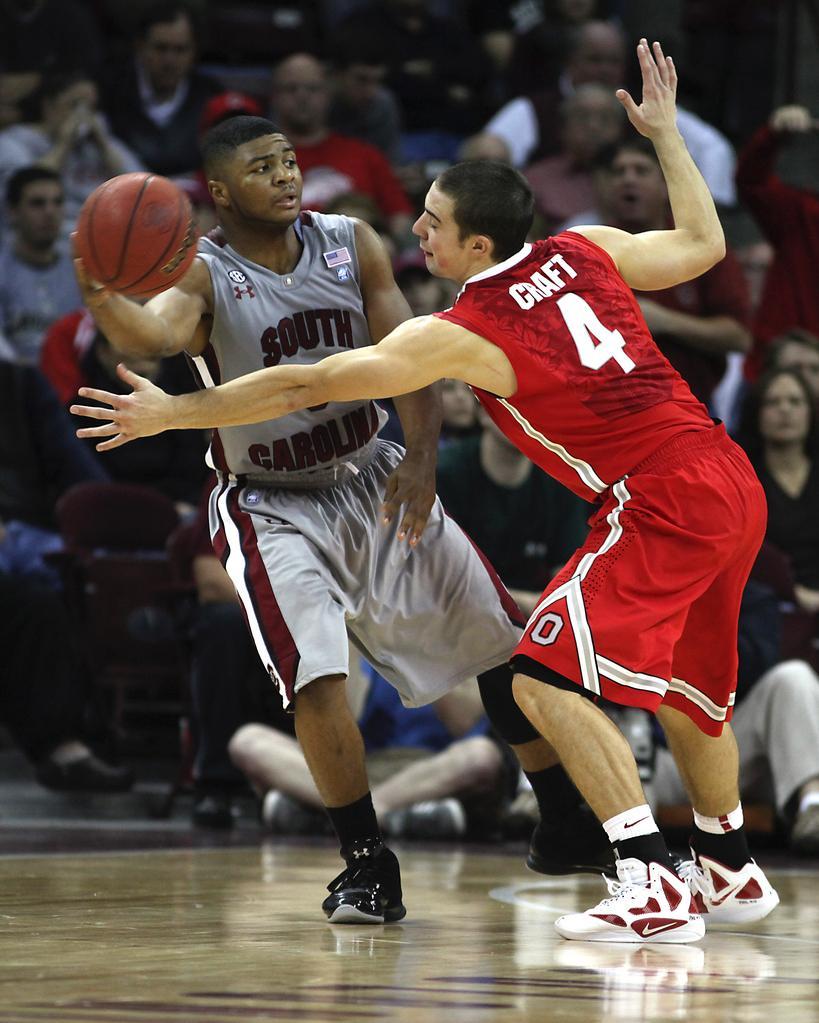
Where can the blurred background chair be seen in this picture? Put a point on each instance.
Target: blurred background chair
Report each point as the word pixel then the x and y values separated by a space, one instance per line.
pixel 128 607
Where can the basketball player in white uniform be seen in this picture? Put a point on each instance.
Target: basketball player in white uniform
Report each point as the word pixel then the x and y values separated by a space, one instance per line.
pixel 305 516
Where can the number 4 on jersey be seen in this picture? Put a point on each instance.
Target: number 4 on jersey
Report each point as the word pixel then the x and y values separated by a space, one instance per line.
pixel 586 329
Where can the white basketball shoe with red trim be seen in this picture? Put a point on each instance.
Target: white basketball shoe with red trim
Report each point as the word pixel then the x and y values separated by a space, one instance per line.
pixel 727 896
pixel 649 903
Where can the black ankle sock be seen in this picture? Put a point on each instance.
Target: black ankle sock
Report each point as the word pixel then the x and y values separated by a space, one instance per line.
pixel 730 848
pixel 648 848
pixel 554 791
pixel 355 821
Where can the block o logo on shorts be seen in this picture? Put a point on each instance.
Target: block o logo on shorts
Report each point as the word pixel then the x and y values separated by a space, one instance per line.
pixel 546 629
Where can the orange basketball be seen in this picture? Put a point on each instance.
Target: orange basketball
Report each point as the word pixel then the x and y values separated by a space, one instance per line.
pixel 135 234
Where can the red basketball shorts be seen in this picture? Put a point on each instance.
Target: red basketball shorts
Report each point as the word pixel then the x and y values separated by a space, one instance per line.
pixel 645 613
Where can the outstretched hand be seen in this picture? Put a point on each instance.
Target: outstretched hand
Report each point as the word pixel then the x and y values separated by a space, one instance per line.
pixel 657 113
pixel 142 413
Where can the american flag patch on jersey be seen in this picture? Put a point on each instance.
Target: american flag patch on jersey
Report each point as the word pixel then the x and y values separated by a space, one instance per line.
pixel 337 257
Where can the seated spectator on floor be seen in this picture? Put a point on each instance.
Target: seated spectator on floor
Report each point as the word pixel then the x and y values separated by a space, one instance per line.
pixel 694 324
pixel 155 103
pixel 526 523
pixel 788 216
pixel 563 185
pixel 332 164
pixel 778 430
pixel 776 724
pixel 362 107
pixel 435 770
pixel 40 458
pixel 530 123
pixel 72 138
pixel 42 701
pixel 76 354
pixel 37 282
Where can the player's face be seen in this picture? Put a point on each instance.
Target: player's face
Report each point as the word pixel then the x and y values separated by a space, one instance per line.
pixel 445 253
pixel 264 181
pixel 784 414
pixel 805 360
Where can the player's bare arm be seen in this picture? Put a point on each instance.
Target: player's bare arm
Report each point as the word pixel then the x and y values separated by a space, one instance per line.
pixel 416 354
pixel 412 484
pixel 661 259
pixel 166 325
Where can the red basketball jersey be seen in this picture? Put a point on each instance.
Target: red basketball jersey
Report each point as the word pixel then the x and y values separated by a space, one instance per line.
pixel 595 395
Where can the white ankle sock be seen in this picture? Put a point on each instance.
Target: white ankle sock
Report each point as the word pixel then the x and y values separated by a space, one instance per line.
pixel 719 825
pixel 632 823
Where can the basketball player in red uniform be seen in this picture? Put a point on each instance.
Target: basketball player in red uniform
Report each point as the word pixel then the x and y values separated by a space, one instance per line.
pixel 552 342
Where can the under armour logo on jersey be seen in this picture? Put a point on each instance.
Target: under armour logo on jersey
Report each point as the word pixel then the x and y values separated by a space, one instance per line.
pixel 241 292
pixel 360 853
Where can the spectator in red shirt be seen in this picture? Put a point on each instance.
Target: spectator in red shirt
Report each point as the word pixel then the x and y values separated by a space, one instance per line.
pixel 75 354
pixel 695 324
pixel 332 164
pixel 789 218
pixel 563 184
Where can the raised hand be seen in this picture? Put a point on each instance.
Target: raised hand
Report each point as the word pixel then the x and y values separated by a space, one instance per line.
pixel 142 413
pixel 658 112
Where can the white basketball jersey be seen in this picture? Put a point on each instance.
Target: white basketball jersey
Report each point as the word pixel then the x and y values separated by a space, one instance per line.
pixel 261 319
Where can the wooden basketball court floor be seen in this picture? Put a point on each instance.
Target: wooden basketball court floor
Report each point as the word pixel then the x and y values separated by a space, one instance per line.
pixel 221 935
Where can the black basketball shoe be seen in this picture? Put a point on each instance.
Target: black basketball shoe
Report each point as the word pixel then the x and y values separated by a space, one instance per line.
pixel 576 844
pixel 369 890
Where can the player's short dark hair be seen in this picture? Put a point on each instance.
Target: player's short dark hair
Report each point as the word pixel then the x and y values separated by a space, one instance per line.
pixel 222 141
pixel 25 176
pixel 490 198
pixel 749 435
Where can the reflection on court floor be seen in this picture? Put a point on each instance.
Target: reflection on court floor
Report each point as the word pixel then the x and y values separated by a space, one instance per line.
pixel 237 934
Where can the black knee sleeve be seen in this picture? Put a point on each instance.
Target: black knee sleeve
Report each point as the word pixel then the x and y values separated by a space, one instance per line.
pixel 507 718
